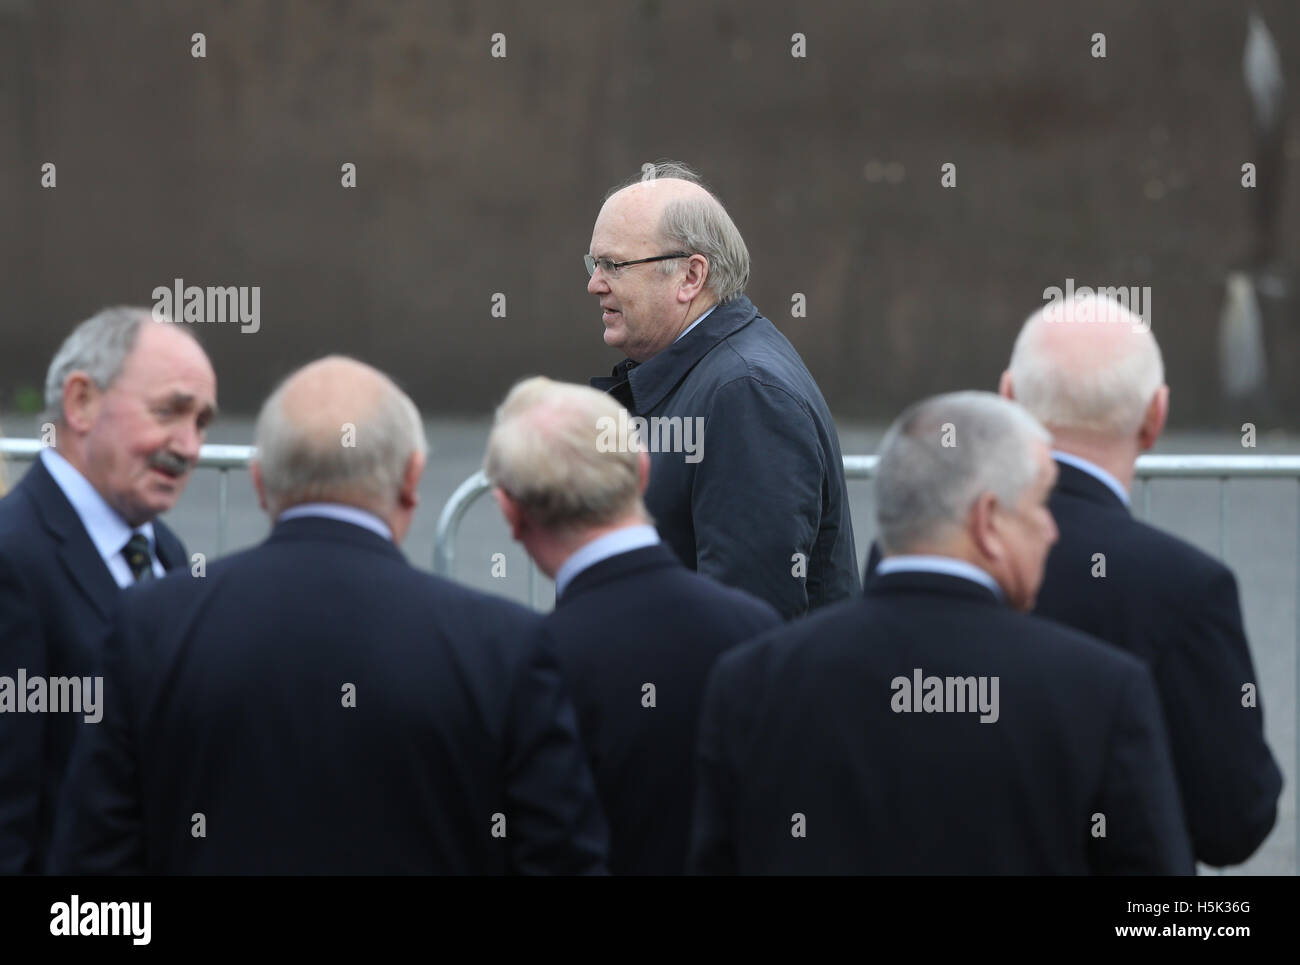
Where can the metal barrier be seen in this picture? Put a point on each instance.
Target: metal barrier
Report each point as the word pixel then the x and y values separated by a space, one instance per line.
pixel 1151 467
pixel 221 458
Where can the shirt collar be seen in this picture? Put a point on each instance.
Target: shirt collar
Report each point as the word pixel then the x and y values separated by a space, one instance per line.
pixel 1095 471
pixel 654 378
pixel 946 565
pixel 107 530
pixel 343 513
pixel 602 548
pixel 688 328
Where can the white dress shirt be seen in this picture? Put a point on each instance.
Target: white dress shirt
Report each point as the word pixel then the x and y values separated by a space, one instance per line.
pixel 611 544
pixel 1093 470
pixel 107 530
pixel 939 564
pixel 341 512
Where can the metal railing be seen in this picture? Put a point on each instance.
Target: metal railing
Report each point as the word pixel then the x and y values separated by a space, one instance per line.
pixel 221 458
pixel 1222 468
pixel 1149 468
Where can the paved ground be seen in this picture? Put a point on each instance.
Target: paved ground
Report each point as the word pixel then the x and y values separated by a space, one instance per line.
pixel 1262 536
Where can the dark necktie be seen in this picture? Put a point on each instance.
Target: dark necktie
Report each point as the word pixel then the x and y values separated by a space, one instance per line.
pixel 138 557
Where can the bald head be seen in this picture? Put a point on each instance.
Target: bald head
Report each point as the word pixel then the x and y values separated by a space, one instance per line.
pixel 1086 364
pixel 646 305
pixel 338 430
pixel 556 451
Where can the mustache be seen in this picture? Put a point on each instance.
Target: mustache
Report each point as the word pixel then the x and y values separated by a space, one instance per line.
pixel 170 463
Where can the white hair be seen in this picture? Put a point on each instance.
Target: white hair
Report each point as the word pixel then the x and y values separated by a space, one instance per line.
pixel 1105 392
pixel 99 346
pixel 301 464
pixel 941 455
pixel 700 226
pixel 545 451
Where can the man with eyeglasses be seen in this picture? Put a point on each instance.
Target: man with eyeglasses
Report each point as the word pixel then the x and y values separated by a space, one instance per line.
pixel 747 481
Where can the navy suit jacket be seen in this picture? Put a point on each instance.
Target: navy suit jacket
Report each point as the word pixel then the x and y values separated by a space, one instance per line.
pixel 809 764
pixel 1177 608
pixel 56 600
pixel 630 620
pixel 327 708
pixel 767 481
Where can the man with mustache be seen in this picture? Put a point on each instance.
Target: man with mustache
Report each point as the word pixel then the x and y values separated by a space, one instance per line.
pixel 129 399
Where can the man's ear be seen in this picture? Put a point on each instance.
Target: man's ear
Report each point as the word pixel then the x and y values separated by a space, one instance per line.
pixel 982 526
pixel 1005 388
pixel 81 401
pixel 643 469
pixel 697 273
pixel 255 470
pixel 1153 421
pixel 408 497
pixel 512 511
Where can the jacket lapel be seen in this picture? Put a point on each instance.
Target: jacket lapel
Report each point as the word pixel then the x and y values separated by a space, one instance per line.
pixel 77 554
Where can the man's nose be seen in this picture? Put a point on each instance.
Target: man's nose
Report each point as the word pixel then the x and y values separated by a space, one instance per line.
pixel 187 440
pixel 596 284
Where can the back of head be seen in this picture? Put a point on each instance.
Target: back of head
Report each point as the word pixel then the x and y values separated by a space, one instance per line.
pixel 337 430
pixel 561 452
pixel 940 455
pixel 1087 363
pixel 693 220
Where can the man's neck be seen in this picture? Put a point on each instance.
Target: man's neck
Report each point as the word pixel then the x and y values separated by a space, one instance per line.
pixel 1116 457
pixel 550 552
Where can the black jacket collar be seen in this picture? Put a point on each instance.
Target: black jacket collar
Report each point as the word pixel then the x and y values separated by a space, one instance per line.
pixel 1073 481
pixel 76 552
pixel 335 531
pixel 618 567
pixel 642 386
pixel 918 581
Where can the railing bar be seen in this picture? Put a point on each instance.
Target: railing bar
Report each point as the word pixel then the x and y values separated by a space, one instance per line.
pixel 1223 518
pixel 223 499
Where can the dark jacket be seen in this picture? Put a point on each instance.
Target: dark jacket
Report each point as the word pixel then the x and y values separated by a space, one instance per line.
pixel 56 601
pixel 1175 607
pixel 811 763
pixel 763 505
pixel 455 751
pixel 636 619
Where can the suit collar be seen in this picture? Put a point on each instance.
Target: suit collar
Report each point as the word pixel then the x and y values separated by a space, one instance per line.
pixel 302 528
pixel 1073 481
pixel 77 554
pixel 648 383
pixel 618 567
pixel 918 581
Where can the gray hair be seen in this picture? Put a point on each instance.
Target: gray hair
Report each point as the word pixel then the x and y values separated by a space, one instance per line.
pixel 941 455
pixel 304 462
pixel 99 346
pixel 550 451
pixel 700 226
pixel 1107 393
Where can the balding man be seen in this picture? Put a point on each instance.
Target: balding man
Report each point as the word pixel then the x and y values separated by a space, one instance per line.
pixel 128 401
pixel 748 482
pixel 1091 371
pixel 635 631
pixel 318 705
pixel 932 726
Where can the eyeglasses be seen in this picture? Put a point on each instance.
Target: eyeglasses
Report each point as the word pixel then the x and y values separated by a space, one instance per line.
pixel 610 267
